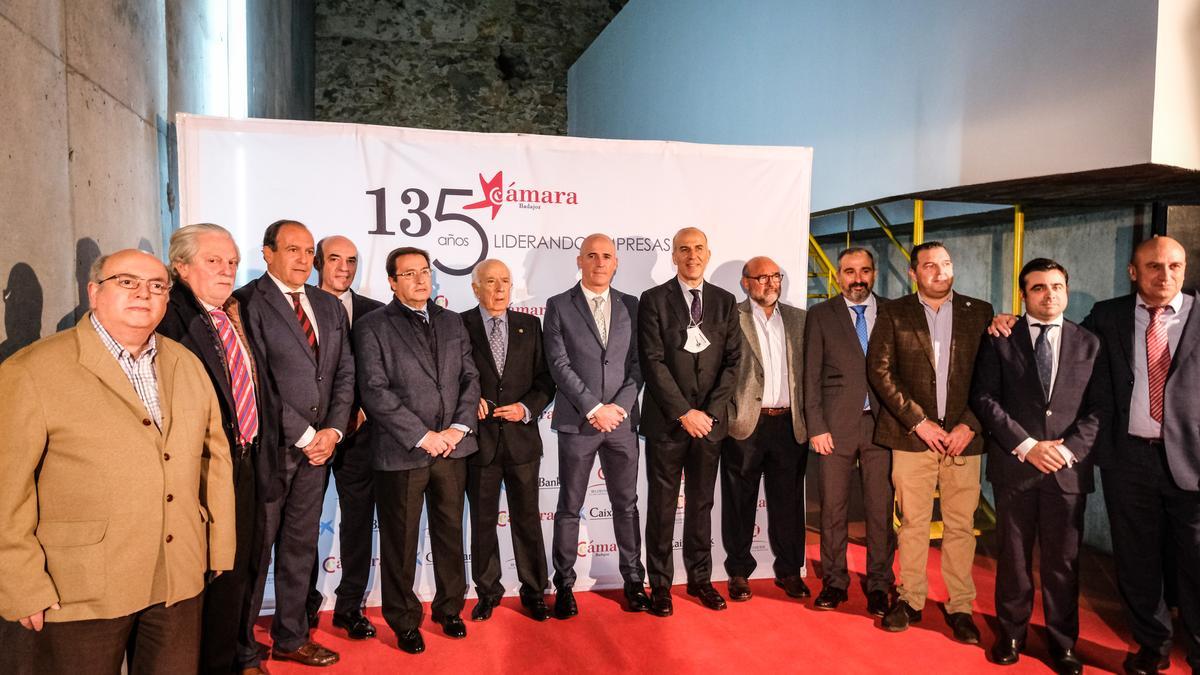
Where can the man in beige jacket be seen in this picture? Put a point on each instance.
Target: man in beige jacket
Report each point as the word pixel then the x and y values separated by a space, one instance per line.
pixel 115 488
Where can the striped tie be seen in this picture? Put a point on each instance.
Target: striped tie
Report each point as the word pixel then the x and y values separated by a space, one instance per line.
pixel 245 405
pixel 1158 360
pixel 305 324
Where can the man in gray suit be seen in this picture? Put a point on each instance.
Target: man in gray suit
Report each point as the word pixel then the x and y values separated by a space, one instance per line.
pixel 767 438
pixel 303 334
pixel 420 388
pixel 840 409
pixel 591 346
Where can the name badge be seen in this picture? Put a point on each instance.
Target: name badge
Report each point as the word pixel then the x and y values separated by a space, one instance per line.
pixel 695 342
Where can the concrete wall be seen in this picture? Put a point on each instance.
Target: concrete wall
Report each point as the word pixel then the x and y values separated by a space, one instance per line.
pixel 84 98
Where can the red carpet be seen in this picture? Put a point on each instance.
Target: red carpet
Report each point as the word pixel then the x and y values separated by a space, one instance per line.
pixel 769 634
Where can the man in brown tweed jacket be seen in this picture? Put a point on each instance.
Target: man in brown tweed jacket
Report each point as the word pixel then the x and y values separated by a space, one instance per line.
pixel 919 362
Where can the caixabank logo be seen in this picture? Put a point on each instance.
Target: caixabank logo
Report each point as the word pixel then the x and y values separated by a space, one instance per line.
pixel 496 194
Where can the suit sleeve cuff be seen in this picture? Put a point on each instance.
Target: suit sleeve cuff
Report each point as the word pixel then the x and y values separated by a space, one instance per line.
pixel 306 437
pixel 593 410
pixel 1067 455
pixel 525 419
pixel 1023 449
pixel 467 430
pixel 341 436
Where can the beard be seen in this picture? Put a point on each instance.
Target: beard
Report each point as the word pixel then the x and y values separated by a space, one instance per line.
pixel 858 291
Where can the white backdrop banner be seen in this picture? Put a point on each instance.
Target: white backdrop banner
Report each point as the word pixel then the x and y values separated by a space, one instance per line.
pixel 526 200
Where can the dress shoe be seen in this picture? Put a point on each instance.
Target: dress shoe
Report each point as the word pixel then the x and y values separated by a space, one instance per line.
pixel 483 609
pixel 660 602
pixel 1146 662
pixel 1005 652
pixel 314 617
pixel 410 641
pixel 899 615
pixel 564 603
pixel 739 589
pixel 963 627
pixel 309 654
pixel 452 625
pixel 877 603
pixel 635 596
pixel 793 586
pixel 708 595
pixel 356 624
pixel 1065 661
pixel 830 597
pixel 536 604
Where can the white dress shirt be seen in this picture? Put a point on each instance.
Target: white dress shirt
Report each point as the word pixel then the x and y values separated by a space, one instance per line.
pixel 347 299
pixel 1175 317
pixel 1054 337
pixel 772 343
pixel 309 433
pixel 606 309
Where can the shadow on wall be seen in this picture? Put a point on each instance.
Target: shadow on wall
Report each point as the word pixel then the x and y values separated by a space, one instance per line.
pixel 86 253
pixel 22 310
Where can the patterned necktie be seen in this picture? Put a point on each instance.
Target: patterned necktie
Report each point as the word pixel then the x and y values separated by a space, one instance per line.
pixel 1044 355
pixel 424 316
pixel 244 402
pixel 860 329
pixel 697 310
pixel 496 340
pixel 305 324
pixel 1158 360
pixel 601 321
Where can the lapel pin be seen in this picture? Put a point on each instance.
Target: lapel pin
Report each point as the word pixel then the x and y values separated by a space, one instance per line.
pixel 968 303
pixel 520 330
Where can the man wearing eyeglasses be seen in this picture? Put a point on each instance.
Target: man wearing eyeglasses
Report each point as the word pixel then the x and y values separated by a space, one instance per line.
pixel 204 317
pixel 420 388
pixel 767 438
pixel 303 334
pixel 116 495
pixel 919 361
pixel 516 387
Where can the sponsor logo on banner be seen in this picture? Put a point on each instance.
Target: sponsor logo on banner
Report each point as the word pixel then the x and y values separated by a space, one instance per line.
pixel 332 563
pixel 495 195
pixel 599 513
pixel 595 549
pixel 510 564
pixel 546 515
pixel 548 483
pixel 502 519
pixel 326 527
pixel 761 505
pixel 600 488
pixel 427 558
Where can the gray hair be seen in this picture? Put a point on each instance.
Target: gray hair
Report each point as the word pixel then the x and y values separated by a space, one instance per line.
pixel 482 264
pixel 185 242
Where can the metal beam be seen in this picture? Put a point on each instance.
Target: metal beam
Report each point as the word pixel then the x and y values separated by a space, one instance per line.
pixel 1018 256
pixel 826 267
pixel 884 225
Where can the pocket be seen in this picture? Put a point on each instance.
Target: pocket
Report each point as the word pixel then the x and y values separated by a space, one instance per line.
pixel 75 557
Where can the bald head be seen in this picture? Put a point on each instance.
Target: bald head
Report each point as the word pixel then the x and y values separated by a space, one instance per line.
pixel 689 252
pixel 128 295
pixel 1157 269
pixel 336 261
pixel 597 262
pixel 762 281
pixel 492 284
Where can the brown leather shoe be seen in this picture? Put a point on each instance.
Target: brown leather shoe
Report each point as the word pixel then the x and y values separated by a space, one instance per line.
pixel 309 654
pixel 739 589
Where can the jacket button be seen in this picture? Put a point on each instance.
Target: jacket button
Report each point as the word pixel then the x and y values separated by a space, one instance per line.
pixel 320 378
pixel 1048 413
pixel 606 362
pixel 313 409
pixel 170 538
pixel 146 422
pixel 170 498
pixel 166 456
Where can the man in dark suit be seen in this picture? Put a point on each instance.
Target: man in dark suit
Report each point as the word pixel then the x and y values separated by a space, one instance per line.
pixel 302 333
pixel 516 387
pixel 420 388
pixel 591 344
pixel 689 346
pixel 1150 457
pixel 337 263
pixel 1030 393
pixel 840 409
pixel 203 316
pixel 919 362
pixel 767 439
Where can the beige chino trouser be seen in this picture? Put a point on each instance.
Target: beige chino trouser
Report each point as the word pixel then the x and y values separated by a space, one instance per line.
pixel 916 476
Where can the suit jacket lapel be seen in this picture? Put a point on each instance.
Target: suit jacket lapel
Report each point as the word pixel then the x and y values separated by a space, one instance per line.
pixel 1186 343
pixel 619 320
pixel 283 305
pixel 921 325
pixel 95 357
pixel 746 317
pixel 1021 339
pixel 793 339
pixel 675 301
pixel 479 335
pixel 579 300
pixel 845 322
pixel 404 329
pixel 165 364
pixel 1125 328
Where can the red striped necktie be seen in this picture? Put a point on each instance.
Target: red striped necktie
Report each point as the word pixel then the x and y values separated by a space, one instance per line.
pixel 1158 360
pixel 245 404
pixel 305 324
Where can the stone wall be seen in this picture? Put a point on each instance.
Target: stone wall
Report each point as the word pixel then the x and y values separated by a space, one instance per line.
pixel 471 65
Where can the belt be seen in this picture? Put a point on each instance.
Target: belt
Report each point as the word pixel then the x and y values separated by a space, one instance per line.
pixel 242 450
pixel 1157 442
pixel 776 412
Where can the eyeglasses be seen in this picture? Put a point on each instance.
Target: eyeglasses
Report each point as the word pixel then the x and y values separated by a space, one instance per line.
pixel 423 273
pixel 132 283
pixel 764 278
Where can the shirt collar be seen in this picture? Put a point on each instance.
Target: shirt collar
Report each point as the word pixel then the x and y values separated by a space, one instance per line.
pixel 762 313
pixel 949 300
pixel 591 295
pixel 116 348
pixel 1057 321
pixel 487 316
pixel 869 302
pixel 283 288
pixel 1175 304
pixel 422 308
pixel 687 290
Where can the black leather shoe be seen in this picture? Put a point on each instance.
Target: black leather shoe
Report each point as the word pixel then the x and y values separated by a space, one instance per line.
pixel 1146 662
pixel 794 586
pixel 877 603
pixel 739 589
pixel 1005 652
pixel 313 616
pixel 635 596
pixel 829 598
pixel 899 615
pixel 483 609
pixel 536 604
pixel 452 626
pixel 410 641
pixel 1065 661
pixel 708 595
pixel 660 602
pixel 963 627
pixel 564 603
pixel 356 625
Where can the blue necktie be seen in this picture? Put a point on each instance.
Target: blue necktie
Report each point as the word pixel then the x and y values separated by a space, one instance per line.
pixel 860 327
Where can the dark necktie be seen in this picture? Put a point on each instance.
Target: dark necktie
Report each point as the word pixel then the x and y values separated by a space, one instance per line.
pixel 1158 360
pixel 697 309
pixel 496 340
pixel 860 329
pixel 1043 353
pixel 305 323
